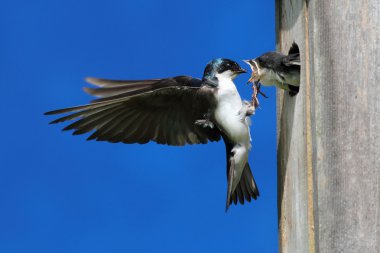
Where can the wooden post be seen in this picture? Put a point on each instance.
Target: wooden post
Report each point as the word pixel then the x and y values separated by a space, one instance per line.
pixel 329 134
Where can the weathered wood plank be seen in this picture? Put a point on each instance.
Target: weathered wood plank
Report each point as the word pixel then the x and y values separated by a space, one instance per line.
pixel 329 135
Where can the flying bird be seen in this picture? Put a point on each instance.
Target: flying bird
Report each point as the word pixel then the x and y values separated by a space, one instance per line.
pixel 174 111
pixel 274 68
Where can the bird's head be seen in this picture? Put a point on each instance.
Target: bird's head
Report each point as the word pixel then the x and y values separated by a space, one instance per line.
pixel 254 64
pixel 222 68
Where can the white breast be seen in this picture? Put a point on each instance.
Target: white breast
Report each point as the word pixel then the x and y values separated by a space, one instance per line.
pixel 230 116
pixel 228 113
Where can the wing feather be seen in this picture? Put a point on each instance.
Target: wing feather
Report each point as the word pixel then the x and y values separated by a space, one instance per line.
pixel 102 82
pixel 98 122
pixel 91 118
pixel 81 113
pixel 139 111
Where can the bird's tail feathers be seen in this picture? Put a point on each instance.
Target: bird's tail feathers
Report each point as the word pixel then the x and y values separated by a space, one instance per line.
pixel 230 179
pixel 245 190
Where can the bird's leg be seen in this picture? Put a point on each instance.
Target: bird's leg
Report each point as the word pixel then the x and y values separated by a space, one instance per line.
pixel 206 121
pixel 249 107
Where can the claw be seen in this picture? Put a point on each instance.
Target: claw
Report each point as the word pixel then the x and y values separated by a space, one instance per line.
pixel 204 123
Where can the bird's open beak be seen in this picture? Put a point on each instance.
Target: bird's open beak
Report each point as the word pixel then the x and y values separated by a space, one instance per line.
pixel 253 66
pixel 241 71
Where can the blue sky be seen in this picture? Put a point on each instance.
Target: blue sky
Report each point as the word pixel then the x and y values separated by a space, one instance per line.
pixel 60 193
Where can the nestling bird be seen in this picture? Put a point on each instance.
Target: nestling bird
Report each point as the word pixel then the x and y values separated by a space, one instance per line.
pixel 274 68
pixel 174 111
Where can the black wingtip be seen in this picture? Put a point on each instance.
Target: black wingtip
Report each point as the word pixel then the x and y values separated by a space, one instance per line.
pixel 56 111
pixel 294 49
pixel 92 137
pixel 293 90
pixel 94 81
pixel 69 127
pixel 53 122
pixel 78 132
pixel 49 113
pixel 230 174
pixel 228 202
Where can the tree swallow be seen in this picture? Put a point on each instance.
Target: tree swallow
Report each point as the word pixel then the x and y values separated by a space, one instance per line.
pixel 174 111
pixel 277 69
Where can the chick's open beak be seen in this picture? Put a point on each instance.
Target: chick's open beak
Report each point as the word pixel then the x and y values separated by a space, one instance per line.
pixel 247 61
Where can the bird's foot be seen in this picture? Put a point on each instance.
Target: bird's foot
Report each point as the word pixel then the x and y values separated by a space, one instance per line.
pixel 204 123
pixel 250 107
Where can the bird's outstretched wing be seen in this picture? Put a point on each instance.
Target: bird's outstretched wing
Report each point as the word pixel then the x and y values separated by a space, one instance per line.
pixel 292 60
pixel 159 110
pixel 293 57
pixel 294 49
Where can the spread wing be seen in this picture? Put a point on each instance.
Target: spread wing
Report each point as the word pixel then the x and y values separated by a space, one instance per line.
pixel 293 55
pixel 292 60
pixel 159 110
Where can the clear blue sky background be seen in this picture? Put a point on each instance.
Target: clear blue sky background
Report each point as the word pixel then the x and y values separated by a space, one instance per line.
pixel 60 193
